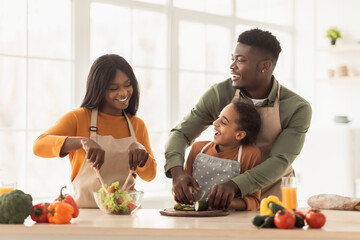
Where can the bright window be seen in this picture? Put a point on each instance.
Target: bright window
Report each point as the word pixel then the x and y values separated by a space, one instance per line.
pixel 223 7
pixel 265 11
pixel 201 58
pixel 177 51
pixel 36 79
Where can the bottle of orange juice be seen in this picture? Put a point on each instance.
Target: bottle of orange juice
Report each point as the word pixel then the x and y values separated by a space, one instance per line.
pixel 288 191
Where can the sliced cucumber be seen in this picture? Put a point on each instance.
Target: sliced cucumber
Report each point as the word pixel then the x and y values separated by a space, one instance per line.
pixel 183 207
pixel 201 206
pixel 178 206
pixel 188 208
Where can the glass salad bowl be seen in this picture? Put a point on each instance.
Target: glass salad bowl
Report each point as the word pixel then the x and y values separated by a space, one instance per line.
pixel 117 201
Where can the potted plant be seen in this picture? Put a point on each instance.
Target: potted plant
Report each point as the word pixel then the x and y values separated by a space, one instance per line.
pixel 333 34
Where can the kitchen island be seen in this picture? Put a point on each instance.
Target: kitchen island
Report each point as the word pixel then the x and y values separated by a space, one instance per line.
pixel 149 224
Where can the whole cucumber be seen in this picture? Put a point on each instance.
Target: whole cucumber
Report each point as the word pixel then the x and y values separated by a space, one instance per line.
pixel 258 220
pixel 269 222
pixel 299 222
pixel 274 207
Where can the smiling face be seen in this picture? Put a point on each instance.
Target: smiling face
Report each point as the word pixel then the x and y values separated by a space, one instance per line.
pixel 227 134
pixel 118 94
pixel 248 66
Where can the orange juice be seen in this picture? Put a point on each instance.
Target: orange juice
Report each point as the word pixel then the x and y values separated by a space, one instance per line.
pixel 5 190
pixel 289 197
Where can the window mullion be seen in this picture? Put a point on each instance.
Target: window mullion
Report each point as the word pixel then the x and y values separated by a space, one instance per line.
pixel 173 83
pixel 80 48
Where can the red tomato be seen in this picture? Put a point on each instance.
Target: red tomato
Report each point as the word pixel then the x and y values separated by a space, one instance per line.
pixel 315 218
pixel 302 215
pixel 284 219
pixel 131 206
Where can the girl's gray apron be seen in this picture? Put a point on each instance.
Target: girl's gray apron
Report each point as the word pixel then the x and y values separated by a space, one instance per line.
pixel 209 170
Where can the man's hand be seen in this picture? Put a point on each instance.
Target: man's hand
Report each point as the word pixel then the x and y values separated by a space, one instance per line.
pixel 222 194
pixel 184 185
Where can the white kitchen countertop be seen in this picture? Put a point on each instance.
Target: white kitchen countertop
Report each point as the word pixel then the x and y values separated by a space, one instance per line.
pixel 149 224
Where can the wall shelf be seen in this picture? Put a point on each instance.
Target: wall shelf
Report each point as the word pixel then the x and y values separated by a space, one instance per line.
pixel 341 48
pixel 339 80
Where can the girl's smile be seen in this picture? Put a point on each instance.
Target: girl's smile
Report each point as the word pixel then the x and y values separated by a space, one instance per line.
pixel 226 130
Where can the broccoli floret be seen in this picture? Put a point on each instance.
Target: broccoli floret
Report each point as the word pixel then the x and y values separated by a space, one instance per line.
pixel 15 207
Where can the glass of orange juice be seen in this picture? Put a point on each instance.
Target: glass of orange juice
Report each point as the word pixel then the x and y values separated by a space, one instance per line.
pixel 7 186
pixel 288 191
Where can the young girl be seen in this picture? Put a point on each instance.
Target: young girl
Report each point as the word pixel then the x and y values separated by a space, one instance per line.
pixel 230 154
pixel 103 133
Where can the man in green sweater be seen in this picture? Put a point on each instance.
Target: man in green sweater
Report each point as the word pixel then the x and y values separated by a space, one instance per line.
pixel 285 120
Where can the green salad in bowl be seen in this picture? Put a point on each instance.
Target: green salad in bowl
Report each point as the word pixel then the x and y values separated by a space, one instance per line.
pixel 117 201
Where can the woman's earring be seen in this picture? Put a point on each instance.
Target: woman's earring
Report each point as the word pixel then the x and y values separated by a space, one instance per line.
pixel 262 70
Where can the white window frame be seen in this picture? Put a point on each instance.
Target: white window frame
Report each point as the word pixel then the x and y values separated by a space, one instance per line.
pixel 81 45
pixel 81 41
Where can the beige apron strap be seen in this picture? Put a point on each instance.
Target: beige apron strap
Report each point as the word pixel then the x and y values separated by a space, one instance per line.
pixel 93 125
pixel 237 93
pixel 132 132
pixel 240 152
pixel 277 99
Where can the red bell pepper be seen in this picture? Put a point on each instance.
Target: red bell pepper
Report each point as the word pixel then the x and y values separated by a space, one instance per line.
pixel 39 214
pixel 68 199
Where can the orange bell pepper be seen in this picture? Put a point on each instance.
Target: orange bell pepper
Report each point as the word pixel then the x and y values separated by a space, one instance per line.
pixel 68 199
pixel 59 212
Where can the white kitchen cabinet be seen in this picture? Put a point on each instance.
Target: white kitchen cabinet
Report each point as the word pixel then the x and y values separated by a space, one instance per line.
pixel 329 161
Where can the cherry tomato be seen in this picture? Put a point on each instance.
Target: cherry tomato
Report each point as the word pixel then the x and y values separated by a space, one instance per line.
pixel 315 218
pixel 284 219
pixel 302 215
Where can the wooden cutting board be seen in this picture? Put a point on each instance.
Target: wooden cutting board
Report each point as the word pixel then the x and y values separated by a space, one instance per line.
pixel 210 213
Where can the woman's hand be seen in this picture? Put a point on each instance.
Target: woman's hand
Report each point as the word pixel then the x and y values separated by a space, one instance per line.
pixel 137 155
pixel 94 153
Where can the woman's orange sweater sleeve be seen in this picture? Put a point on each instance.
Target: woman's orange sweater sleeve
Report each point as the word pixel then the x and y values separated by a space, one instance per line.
pixel 77 123
pixel 49 144
pixel 148 171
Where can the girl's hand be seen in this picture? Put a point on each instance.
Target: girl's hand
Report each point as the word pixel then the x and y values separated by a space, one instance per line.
pixel 94 153
pixel 137 155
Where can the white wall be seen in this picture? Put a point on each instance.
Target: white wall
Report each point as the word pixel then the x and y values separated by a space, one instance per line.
pixel 338 96
pixel 328 161
pixel 304 49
